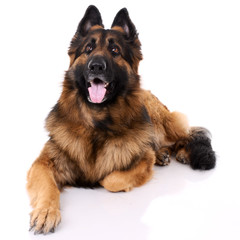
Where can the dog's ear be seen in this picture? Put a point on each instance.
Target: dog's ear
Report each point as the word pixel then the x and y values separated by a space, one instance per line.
pixel 123 20
pixel 91 18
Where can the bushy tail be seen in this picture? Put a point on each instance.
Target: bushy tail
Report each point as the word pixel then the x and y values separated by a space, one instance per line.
pixel 197 149
pixel 200 149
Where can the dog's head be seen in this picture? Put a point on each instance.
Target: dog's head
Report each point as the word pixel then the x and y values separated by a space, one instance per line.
pixel 104 63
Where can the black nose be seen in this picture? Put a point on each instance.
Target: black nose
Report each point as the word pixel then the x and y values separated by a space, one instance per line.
pixel 97 65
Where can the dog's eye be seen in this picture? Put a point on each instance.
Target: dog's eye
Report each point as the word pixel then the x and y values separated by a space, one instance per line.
pixel 115 51
pixel 88 49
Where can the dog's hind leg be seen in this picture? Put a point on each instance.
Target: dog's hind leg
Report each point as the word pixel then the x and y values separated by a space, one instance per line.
pixel 134 177
pixel 44 195
pixel 163 156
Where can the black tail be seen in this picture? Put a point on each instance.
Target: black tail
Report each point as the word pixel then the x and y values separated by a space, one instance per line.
pixel 196 149
pixel 201 154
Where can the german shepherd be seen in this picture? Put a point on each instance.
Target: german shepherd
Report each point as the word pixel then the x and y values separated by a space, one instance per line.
pixel 105 130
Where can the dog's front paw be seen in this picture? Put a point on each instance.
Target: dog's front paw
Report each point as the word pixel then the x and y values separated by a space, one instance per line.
pixel 44 220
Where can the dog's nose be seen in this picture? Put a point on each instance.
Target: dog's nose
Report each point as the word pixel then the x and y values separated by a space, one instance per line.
pixel 97 65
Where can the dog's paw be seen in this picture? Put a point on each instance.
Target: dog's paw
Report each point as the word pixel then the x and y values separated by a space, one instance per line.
pixel 163 157
pixel 182 157
pixel 44 220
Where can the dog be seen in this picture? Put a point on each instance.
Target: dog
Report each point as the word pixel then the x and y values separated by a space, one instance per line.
pixel 105 130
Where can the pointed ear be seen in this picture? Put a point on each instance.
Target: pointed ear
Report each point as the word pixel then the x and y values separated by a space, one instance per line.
pixel 123 20
pixel 91 18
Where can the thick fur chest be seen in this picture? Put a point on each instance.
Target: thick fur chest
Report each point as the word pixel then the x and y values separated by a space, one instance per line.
pixel 86 155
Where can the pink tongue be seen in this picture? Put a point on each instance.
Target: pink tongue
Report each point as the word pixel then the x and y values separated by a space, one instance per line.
pixel 97 92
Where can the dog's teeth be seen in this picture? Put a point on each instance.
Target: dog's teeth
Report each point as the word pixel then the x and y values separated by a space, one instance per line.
pixel 106 84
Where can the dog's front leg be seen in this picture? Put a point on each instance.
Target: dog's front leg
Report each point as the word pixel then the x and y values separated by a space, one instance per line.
pixel 134 177
pixel 44 195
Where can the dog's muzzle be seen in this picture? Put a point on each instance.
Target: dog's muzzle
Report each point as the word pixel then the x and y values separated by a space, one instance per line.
pixel 96 76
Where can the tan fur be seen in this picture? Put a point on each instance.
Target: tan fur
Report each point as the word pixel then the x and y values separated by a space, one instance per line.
pixel 183 156
pixel 135 177
pixel 95 27
pixel 75 139
pixel 168 126
pixel 118 152
pixel 118 28
pixel 44 195
pixel 137 55
pixel 163 156
pixel 72 51
pixel 140 132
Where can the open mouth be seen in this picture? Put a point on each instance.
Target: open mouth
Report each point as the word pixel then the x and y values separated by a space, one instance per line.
pixel 97 90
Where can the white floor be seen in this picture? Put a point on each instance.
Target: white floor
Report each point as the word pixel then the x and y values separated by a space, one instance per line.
pixel 178 203
pixel 191 63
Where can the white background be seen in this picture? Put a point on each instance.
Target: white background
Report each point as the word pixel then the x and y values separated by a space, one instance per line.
pixel 191 63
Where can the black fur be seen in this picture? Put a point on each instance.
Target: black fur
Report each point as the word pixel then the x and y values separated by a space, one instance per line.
pixel 104 124
pixel 117 76
pixel 118 86
pixel 201 155
pixel 92 17
pixel 122 20
pixel 145 115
